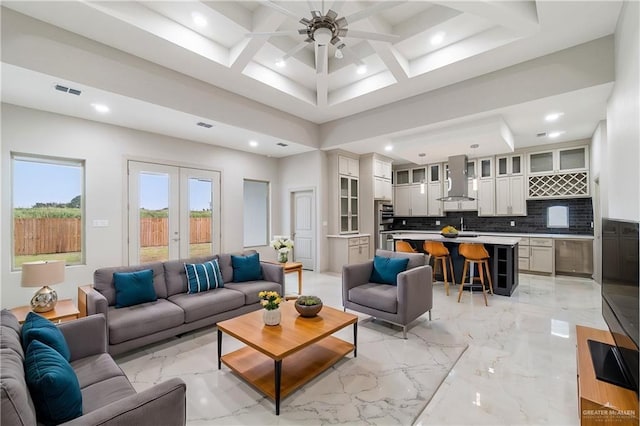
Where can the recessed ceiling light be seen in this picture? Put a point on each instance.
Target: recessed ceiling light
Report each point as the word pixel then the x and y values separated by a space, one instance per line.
pixel 253 143
pixel 101 108
pixel 554 135
pixel 554 116
pixel 388 148
pixel 281 63
pixel 361 69
pixel 437 38
pixel 199 20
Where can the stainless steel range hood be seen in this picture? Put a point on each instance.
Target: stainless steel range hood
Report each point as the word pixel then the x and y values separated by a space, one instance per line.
pixel 457 180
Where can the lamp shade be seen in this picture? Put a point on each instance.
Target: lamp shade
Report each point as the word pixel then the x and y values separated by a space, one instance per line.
pixel 42 273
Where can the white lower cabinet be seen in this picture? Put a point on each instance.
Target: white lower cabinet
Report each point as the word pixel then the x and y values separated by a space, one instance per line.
pixel 347 250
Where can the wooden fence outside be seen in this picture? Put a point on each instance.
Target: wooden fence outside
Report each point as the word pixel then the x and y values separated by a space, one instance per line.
pixel 64 235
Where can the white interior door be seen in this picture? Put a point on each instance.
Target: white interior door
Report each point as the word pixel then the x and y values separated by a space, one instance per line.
pixel 174 212
pixel 303 228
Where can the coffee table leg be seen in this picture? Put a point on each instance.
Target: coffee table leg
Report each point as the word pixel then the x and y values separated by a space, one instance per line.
pixel 278 372
pixel 355 339
pixel 219 349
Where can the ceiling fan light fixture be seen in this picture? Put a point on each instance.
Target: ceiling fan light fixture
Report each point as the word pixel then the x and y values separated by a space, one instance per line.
pixel 332 15
pixel 322 36
pixel 339 54
pixel 316 14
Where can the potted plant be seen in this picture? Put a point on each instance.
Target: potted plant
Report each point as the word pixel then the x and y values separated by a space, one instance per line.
pixel 308 306
pixel 270 301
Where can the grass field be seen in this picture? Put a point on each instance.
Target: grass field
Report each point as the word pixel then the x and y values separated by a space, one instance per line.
pixel 147 254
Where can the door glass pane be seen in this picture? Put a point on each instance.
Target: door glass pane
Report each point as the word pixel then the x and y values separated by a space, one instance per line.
pixel 354 188
pixel 402 176
pixel 471 169
pixel 572 159
pixel 154 217
pixel 485 168
pixel 200 217
pixel 542 162
pixel 515 165
pixel 417 175
pixel 502 166
pixel 354 206
pixel 435 173
pixel 354 223
pixel 344 187
pixel 344 206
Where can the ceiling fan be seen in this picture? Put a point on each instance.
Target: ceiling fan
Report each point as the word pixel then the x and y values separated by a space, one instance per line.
pixel 327 28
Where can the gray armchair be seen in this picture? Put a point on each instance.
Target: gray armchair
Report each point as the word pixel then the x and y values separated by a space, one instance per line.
pixel 399 305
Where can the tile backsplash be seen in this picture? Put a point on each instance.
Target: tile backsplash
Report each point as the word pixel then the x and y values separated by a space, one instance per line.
pixel 535 222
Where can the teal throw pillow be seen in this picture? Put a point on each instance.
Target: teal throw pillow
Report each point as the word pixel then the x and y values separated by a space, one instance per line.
pixel 53 384
pixel 386 269
pixel 37 327
pixel 203 276
pixel 133 288
pixel 246 268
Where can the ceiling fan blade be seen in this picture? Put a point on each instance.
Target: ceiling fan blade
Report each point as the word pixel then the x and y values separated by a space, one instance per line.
pixel 370 36
pixel 295 50
pixel 322 61
pixel 280 9
pixel 275 33
pixel 337 5
pixel 365 13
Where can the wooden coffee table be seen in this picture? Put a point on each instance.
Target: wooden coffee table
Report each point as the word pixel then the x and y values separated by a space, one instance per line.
pixel 280 359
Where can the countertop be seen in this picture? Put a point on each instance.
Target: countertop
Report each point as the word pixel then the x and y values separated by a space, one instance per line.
pixel 483 239
pixel 500 234
pixel 348 235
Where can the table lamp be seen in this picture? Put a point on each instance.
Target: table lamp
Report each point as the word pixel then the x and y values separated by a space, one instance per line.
pixel 43 273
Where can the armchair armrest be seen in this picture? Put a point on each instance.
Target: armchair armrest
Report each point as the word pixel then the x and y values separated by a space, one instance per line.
pixel 163 404
pixel 355 275
pixel 85 336
pixel 273 272
pixel 415 291
pixel 94 302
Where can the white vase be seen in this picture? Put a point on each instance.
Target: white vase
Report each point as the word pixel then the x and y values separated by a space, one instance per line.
pixel 283 257
pixel 271 317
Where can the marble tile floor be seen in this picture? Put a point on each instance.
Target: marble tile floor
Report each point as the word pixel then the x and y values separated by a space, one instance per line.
pixel 519 367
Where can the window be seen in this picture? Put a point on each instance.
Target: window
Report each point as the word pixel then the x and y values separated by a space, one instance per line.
pixel 47 201
pixel 558 217
pixel 256 213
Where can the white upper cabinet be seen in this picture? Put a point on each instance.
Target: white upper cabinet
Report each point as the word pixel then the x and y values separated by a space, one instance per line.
pixel 348 166
pixel 382 169
pixel 558 160
pixel 402 177
pixel 509 165
pixel 418 175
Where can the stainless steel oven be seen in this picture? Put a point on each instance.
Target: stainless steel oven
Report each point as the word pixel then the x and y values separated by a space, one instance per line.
pixel 384 224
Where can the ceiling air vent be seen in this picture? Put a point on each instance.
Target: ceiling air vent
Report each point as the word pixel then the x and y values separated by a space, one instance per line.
pixel 541 135
pixel 282 144
pixel 205 125
pixel 65 89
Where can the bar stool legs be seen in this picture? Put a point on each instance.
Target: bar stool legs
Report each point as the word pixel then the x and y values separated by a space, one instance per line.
pixel 483 268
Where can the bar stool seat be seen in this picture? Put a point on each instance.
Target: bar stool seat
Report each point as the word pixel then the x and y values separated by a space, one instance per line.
pixel 405 247
pixel 478 254
pixel 439 252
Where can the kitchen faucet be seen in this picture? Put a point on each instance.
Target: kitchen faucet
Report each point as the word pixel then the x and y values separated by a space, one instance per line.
pixel 461 223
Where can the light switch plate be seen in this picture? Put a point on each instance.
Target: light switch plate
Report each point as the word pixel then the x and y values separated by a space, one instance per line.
pixel 513 223
pixel 437 222
pixel 100 223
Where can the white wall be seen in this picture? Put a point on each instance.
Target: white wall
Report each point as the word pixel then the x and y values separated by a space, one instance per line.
pixel 105 149
pixel 302 172
pixel 623 124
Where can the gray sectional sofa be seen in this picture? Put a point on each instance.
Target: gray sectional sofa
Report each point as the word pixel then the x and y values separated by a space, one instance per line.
pixel 175 312
pixel 108 398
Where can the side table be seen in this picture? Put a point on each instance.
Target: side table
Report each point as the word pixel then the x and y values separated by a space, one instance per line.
pixel 291 267
pixel 65 310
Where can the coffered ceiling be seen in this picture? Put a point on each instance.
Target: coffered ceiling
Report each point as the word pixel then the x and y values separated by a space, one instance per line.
pixel 436 45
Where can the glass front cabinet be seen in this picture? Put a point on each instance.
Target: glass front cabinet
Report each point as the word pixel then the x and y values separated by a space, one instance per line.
pixel 348 204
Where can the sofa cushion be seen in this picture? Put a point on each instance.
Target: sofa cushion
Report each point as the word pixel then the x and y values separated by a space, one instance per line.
pixel 103 280
pixel 246 268
pixel 251 289
pixel 141 320
pixel 36 327
pixel 105 392
pixel 95 368
pixel 383 297
pixel 133 288
pixel 10 333
pixel 386 269
pixel 17 406
pixel 203 276
pixel 176 277
pixel 53 384
pixel 208 303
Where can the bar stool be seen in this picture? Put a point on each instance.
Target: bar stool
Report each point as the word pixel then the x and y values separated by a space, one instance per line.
pixel 478 254
pixel 404 246
pixel 439 252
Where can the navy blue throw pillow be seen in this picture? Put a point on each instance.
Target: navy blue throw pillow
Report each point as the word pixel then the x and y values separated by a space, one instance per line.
pixel 37 327
pixel 246 268
pixel 386 269
pixel 133 288
pixel 53 385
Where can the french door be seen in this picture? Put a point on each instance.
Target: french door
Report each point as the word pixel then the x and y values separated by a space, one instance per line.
pixel 174 212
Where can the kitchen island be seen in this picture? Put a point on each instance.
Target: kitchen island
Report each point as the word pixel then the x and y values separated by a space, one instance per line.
pixel 503 253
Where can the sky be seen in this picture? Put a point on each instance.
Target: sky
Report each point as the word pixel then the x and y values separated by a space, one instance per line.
pixel 35 182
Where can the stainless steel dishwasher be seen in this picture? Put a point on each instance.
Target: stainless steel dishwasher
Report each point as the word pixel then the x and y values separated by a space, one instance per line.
pixel 574 257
